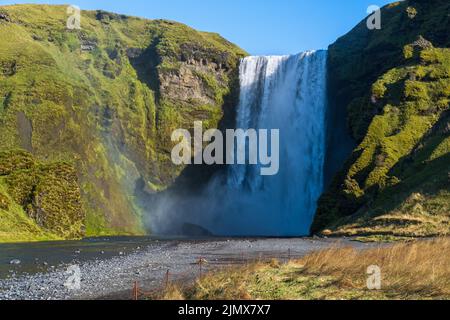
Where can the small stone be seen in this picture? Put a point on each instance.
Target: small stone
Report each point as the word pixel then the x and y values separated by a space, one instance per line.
pixel 422 43
pixel 15 262
pixel 4 16
pixel 416 197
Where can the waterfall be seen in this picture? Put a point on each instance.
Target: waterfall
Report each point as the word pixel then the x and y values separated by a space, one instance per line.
pixel 286 93
pixel 276 92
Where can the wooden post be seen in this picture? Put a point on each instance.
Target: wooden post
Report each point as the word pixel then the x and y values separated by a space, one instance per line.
pixel 166 281
pixel 135 291
pixel 201 262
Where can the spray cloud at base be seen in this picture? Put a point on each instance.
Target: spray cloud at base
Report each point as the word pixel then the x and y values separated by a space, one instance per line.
pixel 276 92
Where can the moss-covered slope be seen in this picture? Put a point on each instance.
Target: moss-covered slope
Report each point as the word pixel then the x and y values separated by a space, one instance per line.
pixel 38 200
pixel 395 85
pixel 104 100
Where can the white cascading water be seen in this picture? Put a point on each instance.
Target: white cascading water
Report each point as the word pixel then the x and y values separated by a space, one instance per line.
pixel 286 93
pixel 277 92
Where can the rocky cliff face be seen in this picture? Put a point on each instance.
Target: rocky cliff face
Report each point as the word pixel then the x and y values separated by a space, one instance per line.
pixel 393 88
pixel 93 111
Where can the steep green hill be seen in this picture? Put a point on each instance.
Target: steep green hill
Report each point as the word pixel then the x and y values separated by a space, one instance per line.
pixel 394 86
pixel 91 111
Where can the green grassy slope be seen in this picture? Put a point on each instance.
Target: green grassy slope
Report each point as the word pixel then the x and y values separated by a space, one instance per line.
pixel 395 84
pixel 104 99
pixel 38 201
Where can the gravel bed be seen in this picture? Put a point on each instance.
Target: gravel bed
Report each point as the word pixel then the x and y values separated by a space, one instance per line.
pixel 113 278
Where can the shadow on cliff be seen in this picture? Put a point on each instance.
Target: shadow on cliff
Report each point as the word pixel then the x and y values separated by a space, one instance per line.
pixel 145 62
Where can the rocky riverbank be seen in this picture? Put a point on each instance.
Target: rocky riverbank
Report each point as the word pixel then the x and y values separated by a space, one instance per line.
pixel 113 277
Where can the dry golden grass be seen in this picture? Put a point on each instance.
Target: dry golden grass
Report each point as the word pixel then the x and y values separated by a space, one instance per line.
pixel 412 270
pixel 418 270
pixel 419 216
pixel 172 292
pixel 398 224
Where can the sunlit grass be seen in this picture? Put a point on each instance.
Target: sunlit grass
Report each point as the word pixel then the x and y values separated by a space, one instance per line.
pixel 417 270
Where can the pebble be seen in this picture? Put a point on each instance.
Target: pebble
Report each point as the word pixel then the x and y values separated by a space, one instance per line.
pixel 15 262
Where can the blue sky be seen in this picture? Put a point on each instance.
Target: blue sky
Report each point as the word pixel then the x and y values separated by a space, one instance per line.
pixel 262 27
